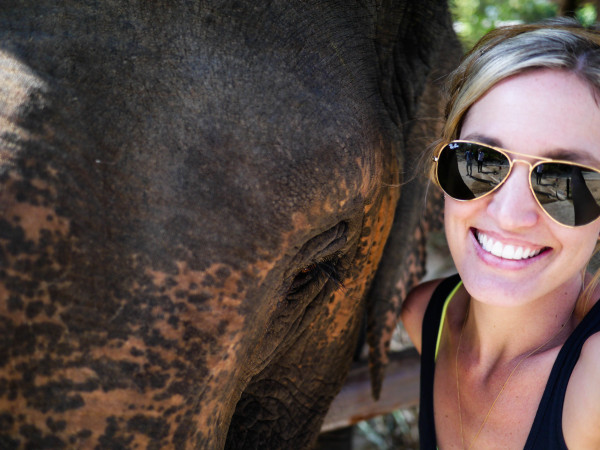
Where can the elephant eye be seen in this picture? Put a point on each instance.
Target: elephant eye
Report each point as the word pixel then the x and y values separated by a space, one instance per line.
pixel 317 273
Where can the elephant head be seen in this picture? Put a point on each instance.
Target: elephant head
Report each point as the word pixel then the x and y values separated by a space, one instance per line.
pixel 195 198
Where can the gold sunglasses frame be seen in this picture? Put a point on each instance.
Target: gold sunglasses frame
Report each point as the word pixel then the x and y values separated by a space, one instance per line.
pixel 512 162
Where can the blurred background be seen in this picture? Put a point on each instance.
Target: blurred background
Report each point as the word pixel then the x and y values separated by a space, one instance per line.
pixel 472 19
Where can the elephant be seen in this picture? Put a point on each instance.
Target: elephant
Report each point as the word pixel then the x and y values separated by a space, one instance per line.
pixel 196 199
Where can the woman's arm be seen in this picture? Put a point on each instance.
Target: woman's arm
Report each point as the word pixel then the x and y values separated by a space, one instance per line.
pixel 413 310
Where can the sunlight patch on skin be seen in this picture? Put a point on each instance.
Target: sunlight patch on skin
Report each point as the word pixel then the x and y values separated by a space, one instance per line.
pixel 17 82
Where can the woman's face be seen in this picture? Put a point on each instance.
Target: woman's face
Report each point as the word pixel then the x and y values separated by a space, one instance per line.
pixel 546 113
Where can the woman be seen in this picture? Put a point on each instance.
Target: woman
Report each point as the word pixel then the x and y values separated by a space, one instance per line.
pixel 511 349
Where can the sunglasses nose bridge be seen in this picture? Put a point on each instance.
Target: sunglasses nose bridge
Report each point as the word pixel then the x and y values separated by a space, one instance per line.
pixel 513 163
pixel 529 171
pixel 511 176
pixel 517 160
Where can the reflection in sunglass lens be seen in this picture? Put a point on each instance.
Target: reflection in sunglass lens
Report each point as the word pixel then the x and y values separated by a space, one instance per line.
pixel 466 171
pixel 568 193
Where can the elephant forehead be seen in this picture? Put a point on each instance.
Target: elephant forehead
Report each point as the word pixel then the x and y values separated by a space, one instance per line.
pixel 265 129
pixel 282 143
pixel 224 126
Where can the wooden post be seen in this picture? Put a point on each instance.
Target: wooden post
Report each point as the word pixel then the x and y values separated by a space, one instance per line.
pixel 354 402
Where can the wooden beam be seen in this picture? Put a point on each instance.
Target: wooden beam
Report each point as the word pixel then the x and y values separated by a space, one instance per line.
pixel 354 402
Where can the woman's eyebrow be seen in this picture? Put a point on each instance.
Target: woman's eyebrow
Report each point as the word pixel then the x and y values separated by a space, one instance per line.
pixel 483 140
pixel 577 156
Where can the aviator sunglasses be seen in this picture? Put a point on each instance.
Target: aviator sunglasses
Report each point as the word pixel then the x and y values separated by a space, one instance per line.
pixel 569 193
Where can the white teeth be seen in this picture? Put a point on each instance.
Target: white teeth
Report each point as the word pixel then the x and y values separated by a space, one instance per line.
pixel 508 252
pixel 518 253
pixel 487 243
pixel 496 248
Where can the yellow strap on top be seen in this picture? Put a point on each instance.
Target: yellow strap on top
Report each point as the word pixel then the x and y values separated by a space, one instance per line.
pixel 443 318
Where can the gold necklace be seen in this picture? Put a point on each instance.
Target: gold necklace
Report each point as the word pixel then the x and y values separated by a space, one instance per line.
pixel 462 438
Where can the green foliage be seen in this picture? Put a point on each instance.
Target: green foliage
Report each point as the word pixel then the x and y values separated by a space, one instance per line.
pixel 473 18
pixel 587 14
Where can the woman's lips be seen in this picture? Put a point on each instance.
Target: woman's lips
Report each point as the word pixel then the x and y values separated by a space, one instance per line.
pixel 506 251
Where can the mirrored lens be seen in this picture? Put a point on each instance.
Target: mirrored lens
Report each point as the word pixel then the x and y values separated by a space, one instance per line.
pixel 569 193
pixel 466 171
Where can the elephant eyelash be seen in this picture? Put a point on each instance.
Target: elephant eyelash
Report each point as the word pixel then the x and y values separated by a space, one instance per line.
pixel 325 269
pixel 329 269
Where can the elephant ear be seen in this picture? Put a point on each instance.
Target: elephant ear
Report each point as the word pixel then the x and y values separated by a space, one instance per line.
pixel 417 48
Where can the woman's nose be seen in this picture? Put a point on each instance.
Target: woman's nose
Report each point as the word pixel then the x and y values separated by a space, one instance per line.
pixel 513 205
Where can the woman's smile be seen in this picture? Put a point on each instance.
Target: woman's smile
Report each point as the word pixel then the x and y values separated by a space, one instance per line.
pixel 515 252
pixel 503 258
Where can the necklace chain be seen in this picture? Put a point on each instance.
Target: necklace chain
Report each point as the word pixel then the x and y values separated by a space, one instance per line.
pixel 535 350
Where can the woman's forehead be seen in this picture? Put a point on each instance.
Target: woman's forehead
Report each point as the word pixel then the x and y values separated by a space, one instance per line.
pixel 549 113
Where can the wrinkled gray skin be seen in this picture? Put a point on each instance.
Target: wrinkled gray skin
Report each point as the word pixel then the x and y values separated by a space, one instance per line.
pixel 195 197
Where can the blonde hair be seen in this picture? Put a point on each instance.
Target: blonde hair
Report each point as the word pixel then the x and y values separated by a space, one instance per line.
pixel 561 43
pixel 582 306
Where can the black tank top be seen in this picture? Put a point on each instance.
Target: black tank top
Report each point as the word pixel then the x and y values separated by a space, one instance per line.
pixel 546 431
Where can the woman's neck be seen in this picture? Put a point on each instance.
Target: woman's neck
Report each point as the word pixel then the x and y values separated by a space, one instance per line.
pixel 498 334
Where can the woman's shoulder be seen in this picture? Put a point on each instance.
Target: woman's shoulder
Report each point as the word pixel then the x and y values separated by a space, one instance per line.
pixel 414 307
pixel 589 366
pixel 581 413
